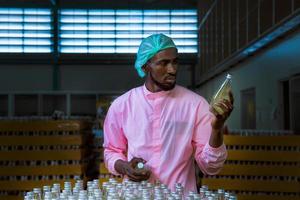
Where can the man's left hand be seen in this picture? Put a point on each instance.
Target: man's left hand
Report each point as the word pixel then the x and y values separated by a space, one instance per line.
pixel 227 107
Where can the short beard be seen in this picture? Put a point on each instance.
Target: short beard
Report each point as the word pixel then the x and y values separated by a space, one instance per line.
pixel 162 86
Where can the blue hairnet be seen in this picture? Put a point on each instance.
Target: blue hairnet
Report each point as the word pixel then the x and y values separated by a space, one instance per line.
pixel 149 47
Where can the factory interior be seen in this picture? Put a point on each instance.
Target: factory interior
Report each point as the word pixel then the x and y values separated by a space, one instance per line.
pixel 63 63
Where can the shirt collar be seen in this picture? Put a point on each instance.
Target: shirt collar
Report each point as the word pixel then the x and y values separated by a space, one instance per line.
pixel 154 95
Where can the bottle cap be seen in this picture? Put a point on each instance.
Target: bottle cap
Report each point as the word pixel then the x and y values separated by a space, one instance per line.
pixel 140 165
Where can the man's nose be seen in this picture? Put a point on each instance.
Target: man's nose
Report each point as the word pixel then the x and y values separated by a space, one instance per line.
pixel 172 69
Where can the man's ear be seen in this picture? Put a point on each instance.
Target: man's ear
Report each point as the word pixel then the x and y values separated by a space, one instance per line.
pixel 146 68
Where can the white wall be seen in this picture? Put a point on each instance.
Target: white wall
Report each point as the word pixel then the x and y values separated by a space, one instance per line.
pixel 107 78
pixel 264 72
pixel 34 78
pixel 93 77
pixel 25 77
pixel 79 79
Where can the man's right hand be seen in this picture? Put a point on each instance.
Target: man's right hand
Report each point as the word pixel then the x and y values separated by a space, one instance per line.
pixel 130 170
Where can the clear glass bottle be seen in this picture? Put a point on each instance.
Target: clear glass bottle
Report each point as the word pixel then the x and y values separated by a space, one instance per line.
pixel 37 194
pixel 127 190
pixel 221 94
pixel 179 189
pixel 221 194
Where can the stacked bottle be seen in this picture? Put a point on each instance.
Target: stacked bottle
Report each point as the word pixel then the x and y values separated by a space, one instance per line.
pixel 112 190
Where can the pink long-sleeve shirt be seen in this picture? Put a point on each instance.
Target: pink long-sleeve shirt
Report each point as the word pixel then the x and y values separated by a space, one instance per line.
pixel 168 129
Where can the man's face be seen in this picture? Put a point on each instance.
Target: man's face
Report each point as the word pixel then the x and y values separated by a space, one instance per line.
pixel 162 68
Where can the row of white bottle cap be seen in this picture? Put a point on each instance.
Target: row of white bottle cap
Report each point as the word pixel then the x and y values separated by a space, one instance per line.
pixel 112 190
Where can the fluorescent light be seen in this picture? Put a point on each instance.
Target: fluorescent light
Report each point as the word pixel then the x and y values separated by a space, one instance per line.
pixel 124 29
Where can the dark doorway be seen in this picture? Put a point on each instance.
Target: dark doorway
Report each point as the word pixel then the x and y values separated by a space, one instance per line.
pixel 248 109
pixel 295 105
pixel 286 104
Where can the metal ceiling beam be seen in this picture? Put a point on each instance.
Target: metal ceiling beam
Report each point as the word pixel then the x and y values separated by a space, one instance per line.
pixel 55 24
pixel 53 2
pixel 285 27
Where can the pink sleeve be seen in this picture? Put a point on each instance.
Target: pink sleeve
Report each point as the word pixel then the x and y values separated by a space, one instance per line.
pixel 115 142
pixel 210 160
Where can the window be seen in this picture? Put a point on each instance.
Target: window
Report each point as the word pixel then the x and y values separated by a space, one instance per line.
pixel 121 31
pixel 25 30
pixel 29 30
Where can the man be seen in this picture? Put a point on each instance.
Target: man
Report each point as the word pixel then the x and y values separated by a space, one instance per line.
pixel 162 124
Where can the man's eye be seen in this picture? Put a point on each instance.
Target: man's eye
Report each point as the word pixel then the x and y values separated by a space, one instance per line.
pixel 163 63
